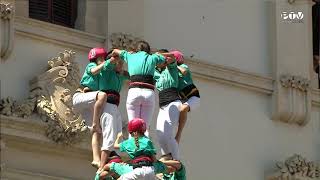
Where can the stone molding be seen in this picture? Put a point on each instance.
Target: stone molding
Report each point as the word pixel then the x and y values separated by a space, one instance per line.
pixel 27 133
pixel 296 168
pixel 292 100
pixel 12 173
pixel 56 34
pixel 6 30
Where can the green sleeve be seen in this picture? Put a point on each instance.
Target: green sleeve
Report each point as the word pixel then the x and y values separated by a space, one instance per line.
pixel 122 147
pixel 160 167
pixel 185 67
pixel 108 65
pixel 89 67
pixel 173 65
pixel 124 55
pixel 156 75
pixel 151 148
pixel 123 77
pixel 158 58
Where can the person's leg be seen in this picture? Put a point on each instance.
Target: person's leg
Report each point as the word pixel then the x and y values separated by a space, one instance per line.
pixel 83 103
pixel 133 103
pixel 147 107
pixel 109 131
pixel 166 123
pixel 95 144
pixel 173 121
pixel 184 109
pixel 160 131
pixel 97 110
pixel 192 104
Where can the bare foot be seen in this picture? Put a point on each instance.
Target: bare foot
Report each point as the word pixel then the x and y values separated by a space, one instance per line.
pixel 95 164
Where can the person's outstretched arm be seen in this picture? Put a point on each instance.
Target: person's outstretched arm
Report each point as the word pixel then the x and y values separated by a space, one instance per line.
pixel 117 141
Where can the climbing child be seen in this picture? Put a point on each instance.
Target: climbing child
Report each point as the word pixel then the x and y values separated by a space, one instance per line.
pixel 187 90
pixel 140 150
pixel 89 97
pixel 141 97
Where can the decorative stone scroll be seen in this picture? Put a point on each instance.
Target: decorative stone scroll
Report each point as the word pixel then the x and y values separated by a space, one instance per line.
pixel 51 98
pixel 293 100
pixel 6 30
pixel 296 168
pixel 123 41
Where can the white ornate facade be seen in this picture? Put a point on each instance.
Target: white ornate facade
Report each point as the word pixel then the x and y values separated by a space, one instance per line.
pixel 259 101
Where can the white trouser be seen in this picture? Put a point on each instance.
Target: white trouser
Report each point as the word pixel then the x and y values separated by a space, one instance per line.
pixel 193 103
pixel 84 103
pixel 141 104
pixel 111 125
pixel 143 173
pixel 167 123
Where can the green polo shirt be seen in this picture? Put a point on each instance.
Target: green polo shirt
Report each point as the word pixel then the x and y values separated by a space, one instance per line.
pixel 141 63
pixel 110 79
pixel 184 80
pixel 167 78
pixel 145 147
pixel 88 79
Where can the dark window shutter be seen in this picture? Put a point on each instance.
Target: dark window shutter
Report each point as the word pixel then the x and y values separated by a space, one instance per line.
pixel 40 9
pixel 61 12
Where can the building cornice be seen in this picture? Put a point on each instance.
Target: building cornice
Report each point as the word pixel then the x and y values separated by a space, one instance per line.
pixel 56 34
pixel 29 133
pixel 231 76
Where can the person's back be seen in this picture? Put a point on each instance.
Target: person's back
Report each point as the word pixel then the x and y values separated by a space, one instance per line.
pixel 141 67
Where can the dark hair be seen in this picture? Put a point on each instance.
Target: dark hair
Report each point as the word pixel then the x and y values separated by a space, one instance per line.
pixel 109 54
pixel 143 46
pixel 163 51
pixel 136 141
pixel 93 60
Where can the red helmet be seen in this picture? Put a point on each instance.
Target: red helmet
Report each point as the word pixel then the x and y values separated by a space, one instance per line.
pixel 178 56
pixel 137 124
pixel 97 52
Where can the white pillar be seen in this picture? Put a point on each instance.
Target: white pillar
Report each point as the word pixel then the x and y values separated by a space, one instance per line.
pixel 293 61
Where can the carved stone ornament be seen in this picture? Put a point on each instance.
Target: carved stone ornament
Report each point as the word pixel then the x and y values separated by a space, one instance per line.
pixel 6 30
pixel 123 41
pixel 51 98
pixel 296 168
pixel 292 100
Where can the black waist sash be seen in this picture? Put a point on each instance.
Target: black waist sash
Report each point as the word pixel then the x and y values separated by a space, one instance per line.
pixel 189 91
pixel 142 78
pixel 113 97
pixel 167 96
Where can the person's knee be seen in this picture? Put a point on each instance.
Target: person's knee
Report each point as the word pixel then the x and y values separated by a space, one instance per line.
pixel 184 108
pixel 102 96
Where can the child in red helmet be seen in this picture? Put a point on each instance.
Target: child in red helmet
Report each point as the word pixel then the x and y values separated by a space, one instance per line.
pixel 89 96
pixel 187 90
pixel 143 164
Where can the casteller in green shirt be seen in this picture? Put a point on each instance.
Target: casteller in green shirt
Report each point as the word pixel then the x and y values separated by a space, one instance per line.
pixel 141 63
pixel 167 78
pixel 110 79
pixel 184 80
pixel 88 79
pixel 145 147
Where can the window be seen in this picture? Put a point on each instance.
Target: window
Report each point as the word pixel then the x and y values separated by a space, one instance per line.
pixel 61 12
